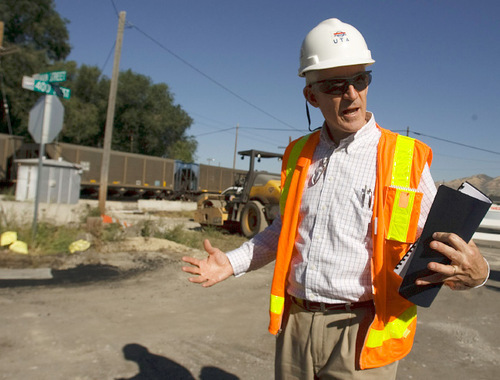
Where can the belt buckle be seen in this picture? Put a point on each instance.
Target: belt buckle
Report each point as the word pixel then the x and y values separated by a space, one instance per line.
pixel 322 307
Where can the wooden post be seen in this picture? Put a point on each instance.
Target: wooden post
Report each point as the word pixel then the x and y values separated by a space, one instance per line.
pixel 108 131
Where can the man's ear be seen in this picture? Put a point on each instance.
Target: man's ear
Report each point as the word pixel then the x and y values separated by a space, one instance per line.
pixel 310 96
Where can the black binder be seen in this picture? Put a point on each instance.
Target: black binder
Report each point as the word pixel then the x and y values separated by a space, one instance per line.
pixel 458 211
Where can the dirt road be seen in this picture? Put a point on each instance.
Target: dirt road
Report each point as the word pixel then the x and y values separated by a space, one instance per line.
pixel 156 325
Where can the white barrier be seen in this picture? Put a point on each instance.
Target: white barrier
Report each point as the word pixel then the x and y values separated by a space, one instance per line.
pixel 492 222
pixel 485 236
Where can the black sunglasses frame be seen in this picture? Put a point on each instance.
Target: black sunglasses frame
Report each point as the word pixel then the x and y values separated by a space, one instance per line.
pixel 339 86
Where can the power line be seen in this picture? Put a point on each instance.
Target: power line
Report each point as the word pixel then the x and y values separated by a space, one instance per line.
pixel 154 40
pixel 107 59
pixel 211 133
pixel 454 142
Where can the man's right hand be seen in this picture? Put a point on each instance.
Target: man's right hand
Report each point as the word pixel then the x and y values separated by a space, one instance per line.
pixel 211 270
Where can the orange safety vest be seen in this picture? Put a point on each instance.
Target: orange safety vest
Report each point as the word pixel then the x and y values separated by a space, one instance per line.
pixel 400 162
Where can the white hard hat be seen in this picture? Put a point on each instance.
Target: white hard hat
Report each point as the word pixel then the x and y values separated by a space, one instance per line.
pixel 333 43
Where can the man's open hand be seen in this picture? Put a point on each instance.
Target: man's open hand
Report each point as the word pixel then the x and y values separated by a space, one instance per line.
pixel 211 270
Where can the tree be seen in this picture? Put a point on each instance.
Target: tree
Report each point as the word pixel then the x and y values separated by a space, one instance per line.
pixel 146 119
pixel 85 111
pixel 35 24
pixel 41 38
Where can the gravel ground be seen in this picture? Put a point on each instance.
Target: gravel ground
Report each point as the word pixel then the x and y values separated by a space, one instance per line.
pixel 130 313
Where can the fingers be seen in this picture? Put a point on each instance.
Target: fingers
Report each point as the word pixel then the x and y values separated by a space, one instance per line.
pixel 448 244
pixel 191 260
pixel 467 267
pixel 208 247
pixel 205 282
pixel 435 278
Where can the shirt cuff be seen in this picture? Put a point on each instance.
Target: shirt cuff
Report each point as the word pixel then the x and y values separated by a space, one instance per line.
pixel 239 260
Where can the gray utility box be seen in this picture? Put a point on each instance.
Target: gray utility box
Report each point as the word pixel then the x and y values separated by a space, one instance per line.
pixel 60 181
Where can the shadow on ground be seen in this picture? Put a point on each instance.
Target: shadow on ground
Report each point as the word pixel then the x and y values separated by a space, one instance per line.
pixel 156 367
pixel 82 274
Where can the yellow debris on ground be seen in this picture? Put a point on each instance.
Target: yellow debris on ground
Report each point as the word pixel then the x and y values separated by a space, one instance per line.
pixel 79 246
pixel 7 238
pixel 19 247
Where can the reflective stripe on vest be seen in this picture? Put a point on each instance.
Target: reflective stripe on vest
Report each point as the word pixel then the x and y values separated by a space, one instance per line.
pixel 396 329
pixel 403 158
pixel 403 204
pixel 276 305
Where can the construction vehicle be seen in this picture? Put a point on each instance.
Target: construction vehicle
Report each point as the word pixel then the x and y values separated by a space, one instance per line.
pixel 250 205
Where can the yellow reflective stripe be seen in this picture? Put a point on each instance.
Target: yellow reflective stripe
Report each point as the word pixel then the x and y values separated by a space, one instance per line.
pixel 403 158
pixel 290 166
pixel 396 329
pixel 401 214
pixel 277 304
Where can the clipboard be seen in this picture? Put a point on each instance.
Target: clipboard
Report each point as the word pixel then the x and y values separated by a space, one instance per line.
pixel 459 211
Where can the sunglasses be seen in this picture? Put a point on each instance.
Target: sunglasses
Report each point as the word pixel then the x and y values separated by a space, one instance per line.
pixel 339 86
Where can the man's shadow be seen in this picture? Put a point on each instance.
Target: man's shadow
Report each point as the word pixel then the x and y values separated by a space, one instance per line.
pixel 156 367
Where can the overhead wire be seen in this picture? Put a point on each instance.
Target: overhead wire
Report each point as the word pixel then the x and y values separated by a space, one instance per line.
pixel 107 59
pixel 199 71
pixel 454 142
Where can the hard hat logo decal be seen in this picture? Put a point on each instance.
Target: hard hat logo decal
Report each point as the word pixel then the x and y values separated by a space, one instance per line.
pixel 340 37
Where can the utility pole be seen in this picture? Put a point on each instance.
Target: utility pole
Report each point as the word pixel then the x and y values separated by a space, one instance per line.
pixel 235 151
pixel 108 131
pixel 407 131
pixel 235 147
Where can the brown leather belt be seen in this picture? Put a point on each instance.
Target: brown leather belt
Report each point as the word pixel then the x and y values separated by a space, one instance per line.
pixel 321 306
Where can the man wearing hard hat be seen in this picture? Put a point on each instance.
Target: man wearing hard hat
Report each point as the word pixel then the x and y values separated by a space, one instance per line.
pixel 354 198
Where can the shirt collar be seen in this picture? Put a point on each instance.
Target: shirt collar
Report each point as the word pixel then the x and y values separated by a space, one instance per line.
pixel 368 131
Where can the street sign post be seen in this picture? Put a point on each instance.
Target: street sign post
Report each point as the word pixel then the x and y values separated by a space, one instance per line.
pixel 46 118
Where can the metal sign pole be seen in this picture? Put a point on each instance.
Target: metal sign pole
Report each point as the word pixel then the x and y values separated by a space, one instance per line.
pixel 45 130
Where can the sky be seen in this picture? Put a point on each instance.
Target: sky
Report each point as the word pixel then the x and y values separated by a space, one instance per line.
pixel 234 63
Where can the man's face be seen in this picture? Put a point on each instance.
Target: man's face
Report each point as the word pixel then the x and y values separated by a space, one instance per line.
pixel 344 114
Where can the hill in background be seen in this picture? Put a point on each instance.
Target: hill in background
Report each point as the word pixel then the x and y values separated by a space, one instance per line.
pixel 488 185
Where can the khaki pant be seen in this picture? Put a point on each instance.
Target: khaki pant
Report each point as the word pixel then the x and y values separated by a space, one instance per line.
pixel 322 345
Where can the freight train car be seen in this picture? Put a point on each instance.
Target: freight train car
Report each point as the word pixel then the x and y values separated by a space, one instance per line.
pixel 9 145
pixel 130 175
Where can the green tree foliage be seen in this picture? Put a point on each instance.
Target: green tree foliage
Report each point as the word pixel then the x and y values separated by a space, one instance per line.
pixel 35 24
pixel 40 37
pixel 146 119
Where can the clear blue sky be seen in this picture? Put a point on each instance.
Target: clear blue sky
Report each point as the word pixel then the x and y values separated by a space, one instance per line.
pixel 230 62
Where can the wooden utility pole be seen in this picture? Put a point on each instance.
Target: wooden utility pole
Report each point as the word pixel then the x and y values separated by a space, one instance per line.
pixel 108 131
pixel 235 147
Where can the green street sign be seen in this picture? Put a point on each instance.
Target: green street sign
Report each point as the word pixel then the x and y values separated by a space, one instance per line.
pixel 50 89
pixel 51 77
